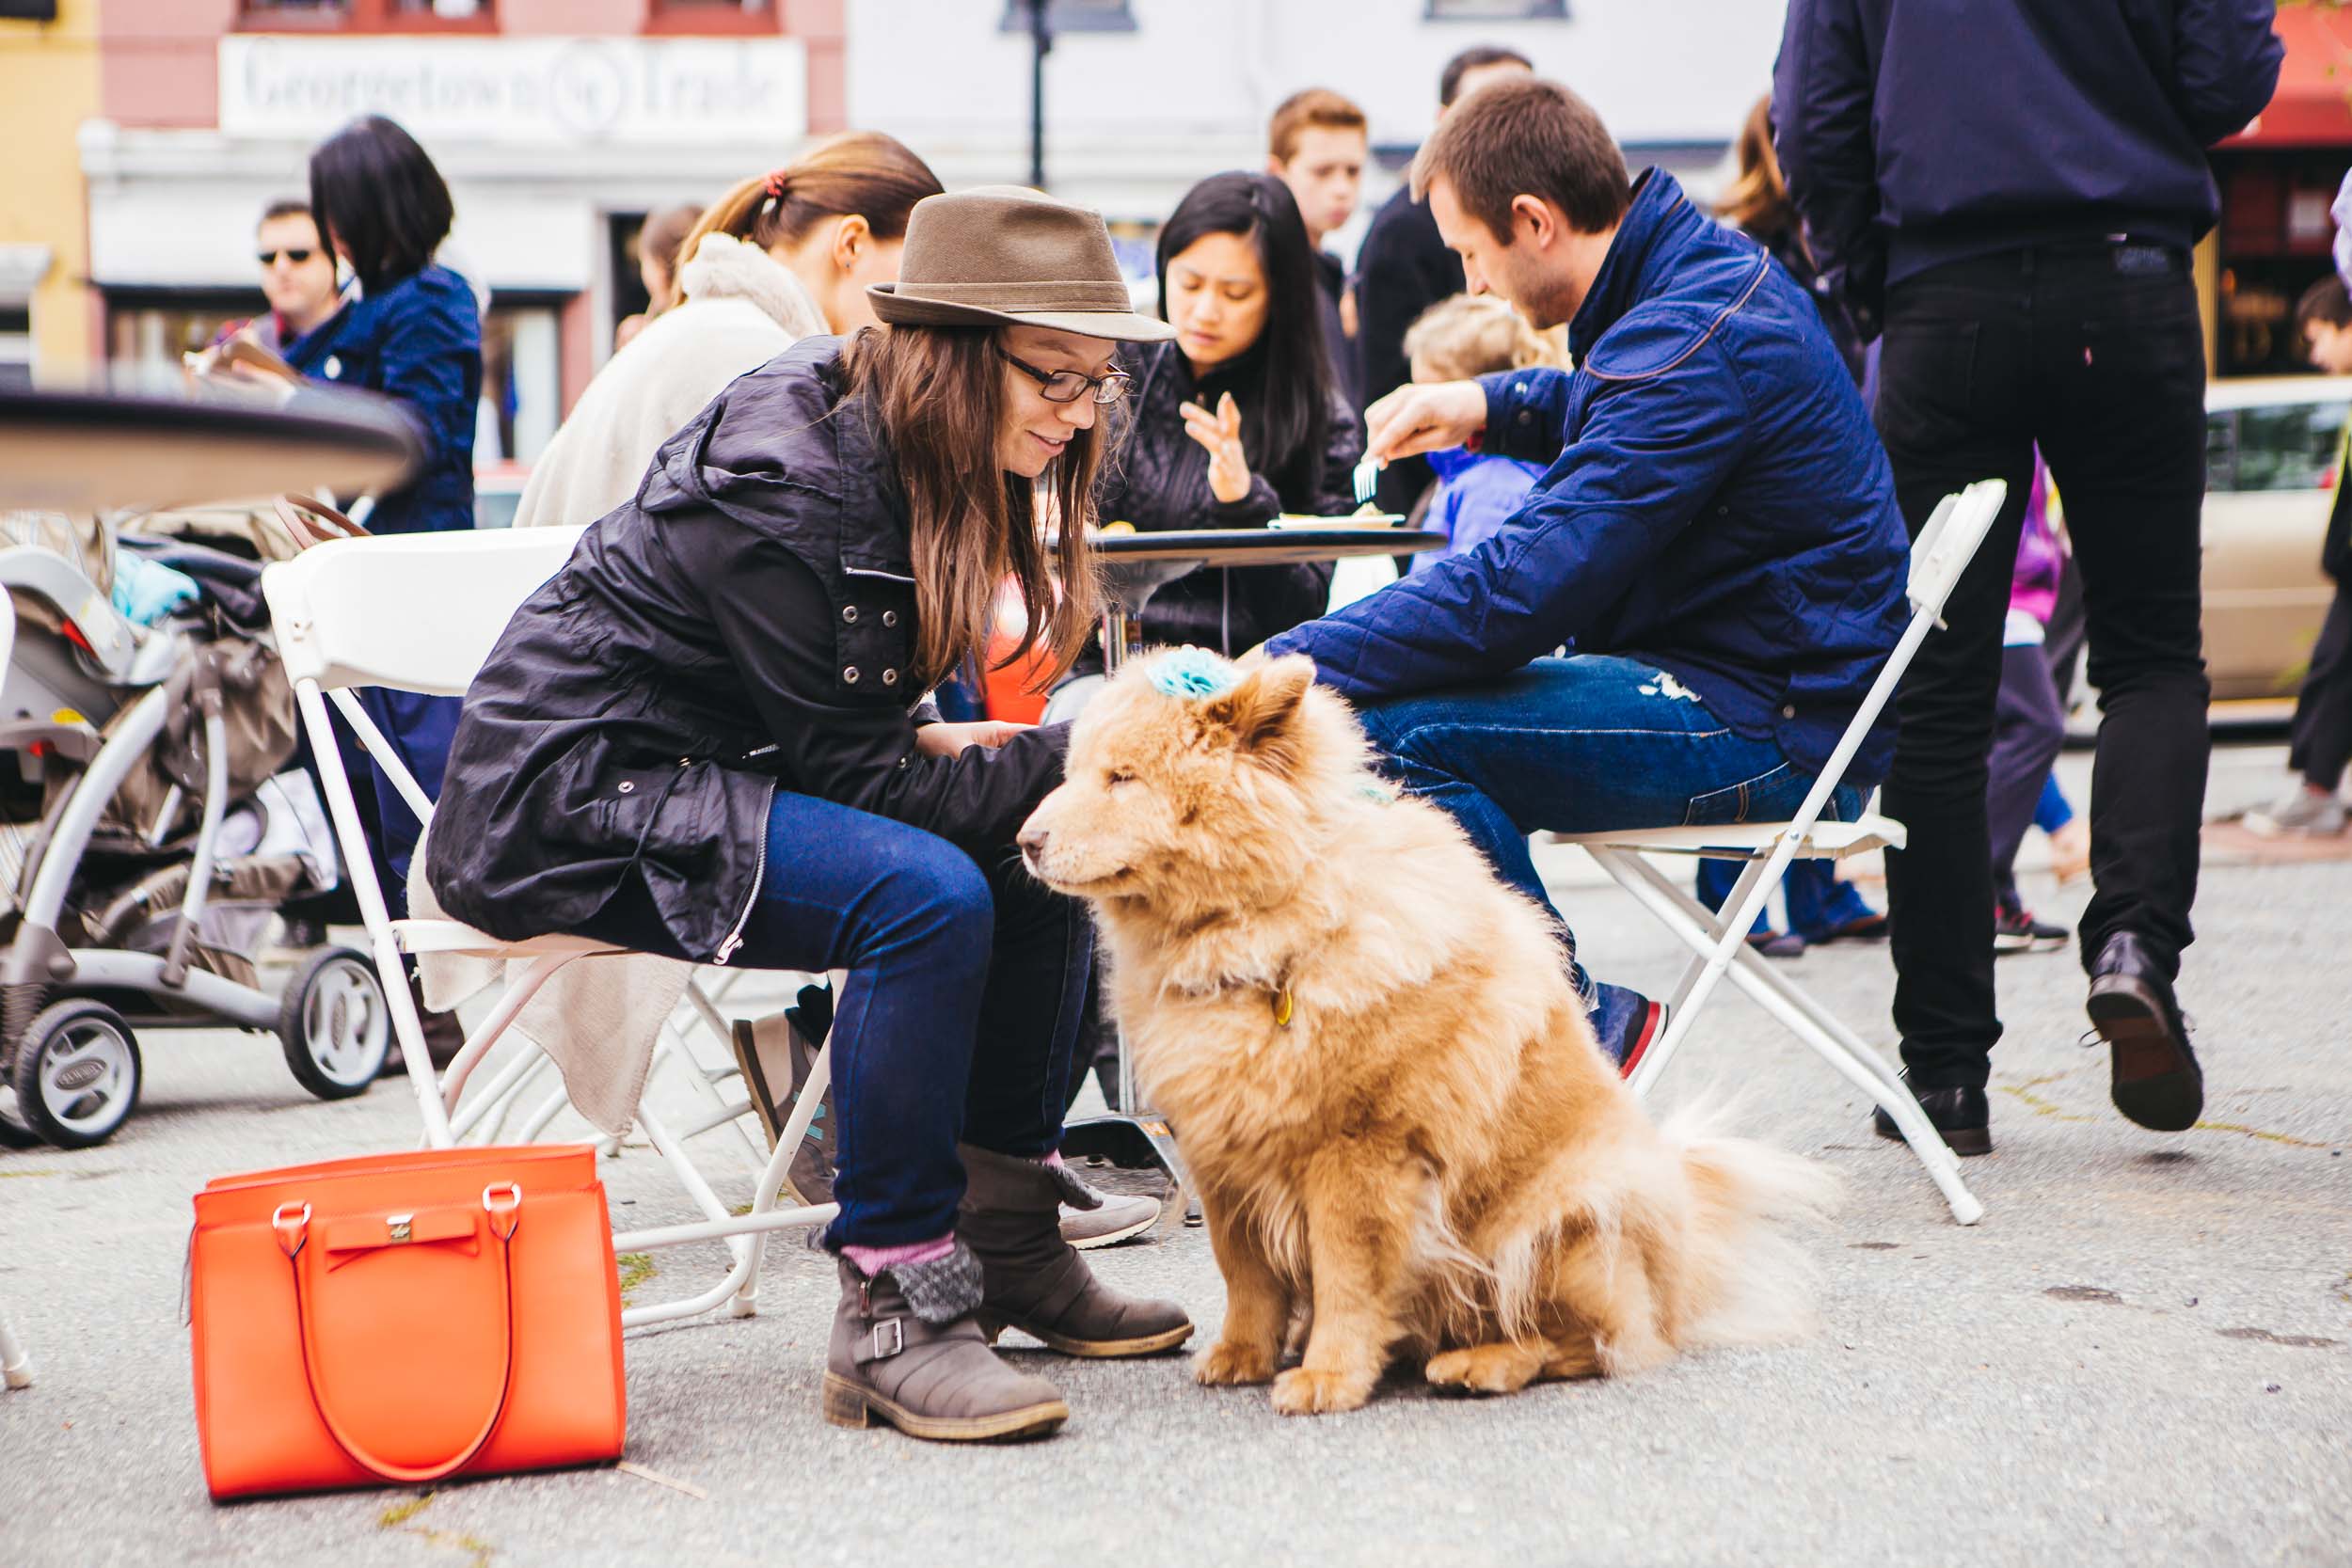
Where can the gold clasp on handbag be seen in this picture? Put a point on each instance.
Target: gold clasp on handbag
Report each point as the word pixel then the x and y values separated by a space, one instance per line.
pixel 397 1224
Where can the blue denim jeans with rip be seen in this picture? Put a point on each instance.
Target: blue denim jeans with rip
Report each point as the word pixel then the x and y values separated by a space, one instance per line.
pixel 1582 744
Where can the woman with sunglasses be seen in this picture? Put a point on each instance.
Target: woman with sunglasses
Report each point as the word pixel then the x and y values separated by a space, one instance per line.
pixel 1237 419
pixel 705 738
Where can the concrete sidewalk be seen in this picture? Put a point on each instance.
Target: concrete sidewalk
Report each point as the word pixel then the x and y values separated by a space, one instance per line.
pixel 2144 1354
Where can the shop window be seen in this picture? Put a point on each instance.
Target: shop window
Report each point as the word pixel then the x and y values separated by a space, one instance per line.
pixel 712 16
pixel 369 16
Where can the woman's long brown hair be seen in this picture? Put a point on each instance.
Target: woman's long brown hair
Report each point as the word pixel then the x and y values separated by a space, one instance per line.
pixel 938 395
pixel 874 176
pixel 1760 197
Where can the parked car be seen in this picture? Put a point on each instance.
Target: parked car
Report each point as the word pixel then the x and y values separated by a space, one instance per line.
pixel 2273 456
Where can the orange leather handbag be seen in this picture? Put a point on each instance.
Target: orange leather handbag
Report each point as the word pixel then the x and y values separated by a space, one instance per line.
pixel 404 1318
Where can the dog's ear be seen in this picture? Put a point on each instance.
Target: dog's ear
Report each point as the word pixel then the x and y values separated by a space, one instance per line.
pixel 1264 712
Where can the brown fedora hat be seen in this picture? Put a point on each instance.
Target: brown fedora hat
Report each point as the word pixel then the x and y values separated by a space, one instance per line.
pixel 1004 255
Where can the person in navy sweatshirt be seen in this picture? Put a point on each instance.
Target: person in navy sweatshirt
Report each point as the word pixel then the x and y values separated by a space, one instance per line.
pixel 2011 187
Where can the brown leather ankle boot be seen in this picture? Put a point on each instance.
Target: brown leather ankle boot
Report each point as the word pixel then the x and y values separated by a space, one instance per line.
pixel 1036 1281
pixel 906 1352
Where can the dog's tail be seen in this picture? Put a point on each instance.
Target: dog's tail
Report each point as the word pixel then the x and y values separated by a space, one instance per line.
pixel 1747 1281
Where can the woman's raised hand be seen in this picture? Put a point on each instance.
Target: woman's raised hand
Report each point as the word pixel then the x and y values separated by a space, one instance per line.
pixel 1220 433
pixel 1424 417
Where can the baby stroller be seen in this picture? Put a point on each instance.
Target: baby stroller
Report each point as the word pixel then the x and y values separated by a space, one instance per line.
pixel 150 827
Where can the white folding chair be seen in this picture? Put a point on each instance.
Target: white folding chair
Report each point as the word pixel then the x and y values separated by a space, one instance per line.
pixel 351 614
pixel 1718 940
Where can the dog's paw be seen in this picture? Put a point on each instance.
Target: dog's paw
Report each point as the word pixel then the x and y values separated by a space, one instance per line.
pixel 1483 1368
pixel 1227 1362
pixel 1304 1391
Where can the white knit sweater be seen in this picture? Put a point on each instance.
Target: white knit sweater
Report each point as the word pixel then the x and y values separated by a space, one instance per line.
pixel 741 308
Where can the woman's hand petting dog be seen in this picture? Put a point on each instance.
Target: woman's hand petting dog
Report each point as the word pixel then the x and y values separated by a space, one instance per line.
pixel 946 740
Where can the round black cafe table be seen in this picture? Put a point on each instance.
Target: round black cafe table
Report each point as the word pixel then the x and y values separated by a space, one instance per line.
pixel 95 451
pixel 1134 565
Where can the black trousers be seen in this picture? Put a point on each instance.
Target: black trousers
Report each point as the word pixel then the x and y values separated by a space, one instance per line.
pixel 2092 350
pixel 2321 742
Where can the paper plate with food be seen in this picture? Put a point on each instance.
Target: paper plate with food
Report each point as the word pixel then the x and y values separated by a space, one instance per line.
pixel 1367 515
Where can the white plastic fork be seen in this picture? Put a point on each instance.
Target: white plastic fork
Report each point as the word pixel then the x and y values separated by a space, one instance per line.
pixel 1367 478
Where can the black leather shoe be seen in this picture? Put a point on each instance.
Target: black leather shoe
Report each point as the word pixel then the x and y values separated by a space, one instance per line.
pixel 2152 1074
pixel 1959 1113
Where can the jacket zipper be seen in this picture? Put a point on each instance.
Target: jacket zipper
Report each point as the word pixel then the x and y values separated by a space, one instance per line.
pixel 733 938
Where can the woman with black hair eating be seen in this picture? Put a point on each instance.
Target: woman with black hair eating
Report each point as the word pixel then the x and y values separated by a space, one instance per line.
pixel 1237 420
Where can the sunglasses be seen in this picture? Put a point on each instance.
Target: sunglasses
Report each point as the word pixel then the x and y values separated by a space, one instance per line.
pixel 269 258
pixel 1070 386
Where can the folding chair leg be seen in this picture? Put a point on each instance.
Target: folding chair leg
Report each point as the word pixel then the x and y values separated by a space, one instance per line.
pixel 658 1134
pixel 672 1046
pixel 501 1089
pixel 1746 958
pixel 1863 1067
pixel 16 1363
pixel 1935 1155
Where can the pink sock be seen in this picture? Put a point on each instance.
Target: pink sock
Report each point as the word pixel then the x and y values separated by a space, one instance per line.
pixel 872 1261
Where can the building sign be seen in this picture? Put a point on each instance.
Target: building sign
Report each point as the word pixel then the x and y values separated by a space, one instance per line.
pixel 530 89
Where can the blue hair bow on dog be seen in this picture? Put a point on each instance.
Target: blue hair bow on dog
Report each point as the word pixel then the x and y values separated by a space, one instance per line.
pixel 1189 675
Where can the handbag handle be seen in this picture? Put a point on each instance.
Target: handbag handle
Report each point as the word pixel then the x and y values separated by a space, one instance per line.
pixel 294 1231
pixel 312 521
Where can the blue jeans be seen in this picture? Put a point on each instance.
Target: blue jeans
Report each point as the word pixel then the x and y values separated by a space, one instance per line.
pixel 961 1013
pixel 1582 744
pixel 1818 904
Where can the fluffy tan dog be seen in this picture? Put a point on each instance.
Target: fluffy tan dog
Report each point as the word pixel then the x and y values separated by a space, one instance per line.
pixel 1401 1129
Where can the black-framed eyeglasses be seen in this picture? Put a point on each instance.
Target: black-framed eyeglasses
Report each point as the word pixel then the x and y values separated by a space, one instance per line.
pixel 1070 386
pixel 298 255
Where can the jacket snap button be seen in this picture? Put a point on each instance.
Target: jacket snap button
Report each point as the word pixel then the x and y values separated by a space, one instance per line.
pixel 890 677
pixel 850 675
pixel 1526 417
pixel 1789 711
pixel 627 787
pixel 890 617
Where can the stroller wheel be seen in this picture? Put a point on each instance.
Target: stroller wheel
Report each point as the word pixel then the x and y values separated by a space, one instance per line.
pixel 334 1024
pixel 77 1073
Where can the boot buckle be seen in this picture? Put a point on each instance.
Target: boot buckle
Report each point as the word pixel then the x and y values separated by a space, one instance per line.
pixel 897 1339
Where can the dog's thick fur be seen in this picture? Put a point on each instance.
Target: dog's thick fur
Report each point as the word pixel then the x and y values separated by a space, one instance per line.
pixel 1402 1130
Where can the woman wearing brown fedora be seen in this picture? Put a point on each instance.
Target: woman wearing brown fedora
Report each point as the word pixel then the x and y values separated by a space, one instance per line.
pixel 704 738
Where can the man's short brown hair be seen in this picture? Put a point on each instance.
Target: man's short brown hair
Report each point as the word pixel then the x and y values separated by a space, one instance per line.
pixel 1316 106
pixel 1526 138
pixel 2324 302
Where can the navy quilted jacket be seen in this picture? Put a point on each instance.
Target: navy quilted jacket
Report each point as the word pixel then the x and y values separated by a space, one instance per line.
pixel 418 342
pixel 1717 503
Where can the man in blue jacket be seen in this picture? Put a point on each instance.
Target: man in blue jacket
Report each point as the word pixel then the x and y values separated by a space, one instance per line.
pixel 2013 186
pixel 1715 540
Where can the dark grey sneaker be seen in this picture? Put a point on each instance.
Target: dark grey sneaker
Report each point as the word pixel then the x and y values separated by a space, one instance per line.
pixel 774 1054
pixel 2304 813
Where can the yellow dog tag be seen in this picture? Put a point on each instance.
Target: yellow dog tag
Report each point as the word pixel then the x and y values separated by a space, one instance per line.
pixel 1283 1009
